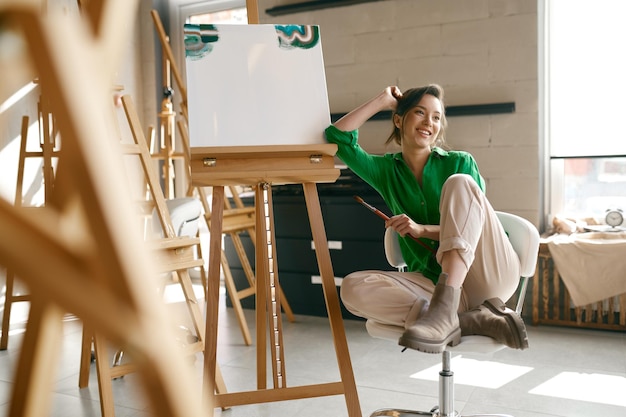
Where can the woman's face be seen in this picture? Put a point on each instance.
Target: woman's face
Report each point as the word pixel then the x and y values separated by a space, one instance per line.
pixel 422 123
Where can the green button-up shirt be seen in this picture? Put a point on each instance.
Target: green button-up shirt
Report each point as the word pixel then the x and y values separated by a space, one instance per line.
pixel 391 177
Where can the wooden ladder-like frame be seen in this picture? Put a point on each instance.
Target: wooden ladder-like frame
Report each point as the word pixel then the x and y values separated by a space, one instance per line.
pixel 88 259
pixel 49 150
pixel 173 254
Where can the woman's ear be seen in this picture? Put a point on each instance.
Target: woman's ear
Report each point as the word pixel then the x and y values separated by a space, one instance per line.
pixel 397 121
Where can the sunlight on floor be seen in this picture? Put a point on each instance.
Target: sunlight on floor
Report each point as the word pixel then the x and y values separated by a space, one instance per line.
pixel 485 374
pixel 597 388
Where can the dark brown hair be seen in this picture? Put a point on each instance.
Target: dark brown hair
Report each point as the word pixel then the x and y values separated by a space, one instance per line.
pixel 410 99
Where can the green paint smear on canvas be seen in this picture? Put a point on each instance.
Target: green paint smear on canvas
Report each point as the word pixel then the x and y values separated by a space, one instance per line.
pixel 297 36
pixel 199 40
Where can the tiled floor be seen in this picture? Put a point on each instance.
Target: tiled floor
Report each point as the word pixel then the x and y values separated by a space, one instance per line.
pixel 566 372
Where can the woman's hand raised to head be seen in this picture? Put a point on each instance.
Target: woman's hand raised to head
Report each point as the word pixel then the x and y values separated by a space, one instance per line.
pixel 394 94
pixel 386 100
pixel 390 97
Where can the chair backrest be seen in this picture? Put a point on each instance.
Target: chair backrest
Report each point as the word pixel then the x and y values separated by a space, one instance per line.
pixel 184 212
pixel 392 249
pixel 523 236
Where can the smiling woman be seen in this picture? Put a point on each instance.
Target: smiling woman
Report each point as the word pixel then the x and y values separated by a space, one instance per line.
pixel 434 194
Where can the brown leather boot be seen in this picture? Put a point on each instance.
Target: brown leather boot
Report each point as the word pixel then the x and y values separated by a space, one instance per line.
pixel 494 319
pixel 439 326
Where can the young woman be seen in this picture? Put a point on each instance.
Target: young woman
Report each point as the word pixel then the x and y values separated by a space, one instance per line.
pixel 463 265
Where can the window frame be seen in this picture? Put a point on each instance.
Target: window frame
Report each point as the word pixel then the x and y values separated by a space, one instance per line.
pixel 180 10
pixel 552 178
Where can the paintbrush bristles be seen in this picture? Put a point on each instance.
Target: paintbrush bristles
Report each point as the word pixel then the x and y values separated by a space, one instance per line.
pixel 360 200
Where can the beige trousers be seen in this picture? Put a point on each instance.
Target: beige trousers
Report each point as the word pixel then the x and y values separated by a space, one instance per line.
pixel 469 225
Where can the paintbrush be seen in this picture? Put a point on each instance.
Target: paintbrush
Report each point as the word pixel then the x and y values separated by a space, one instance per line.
pixel 372 208
pixel 385 217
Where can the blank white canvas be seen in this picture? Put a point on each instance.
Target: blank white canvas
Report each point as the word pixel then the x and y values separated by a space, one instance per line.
pixel 248 90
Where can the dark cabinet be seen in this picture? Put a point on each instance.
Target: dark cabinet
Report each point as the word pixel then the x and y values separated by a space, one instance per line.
pixel 355 239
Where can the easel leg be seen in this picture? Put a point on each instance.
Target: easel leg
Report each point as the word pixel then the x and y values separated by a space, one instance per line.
pixel 6 312
pixel 332 301
pixel 262 270
pixel 269 305
pixel 192 303
pixel 39 354
pixel 213 294
pixel 85 357
pixel 236 301
pixel 105 387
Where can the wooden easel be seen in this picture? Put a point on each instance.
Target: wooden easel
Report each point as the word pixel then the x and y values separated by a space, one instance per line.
pixel 260 166
pixel 49 150
pixel 89 261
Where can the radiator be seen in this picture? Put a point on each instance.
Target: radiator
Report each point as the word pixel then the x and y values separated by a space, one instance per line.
pixel 551 303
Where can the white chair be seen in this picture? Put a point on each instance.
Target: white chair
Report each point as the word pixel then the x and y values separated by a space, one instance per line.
pixel 524 238
pixel 185 215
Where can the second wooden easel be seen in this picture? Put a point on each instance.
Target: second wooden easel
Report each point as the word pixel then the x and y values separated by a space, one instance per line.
pixel 49 152
pixel 295 164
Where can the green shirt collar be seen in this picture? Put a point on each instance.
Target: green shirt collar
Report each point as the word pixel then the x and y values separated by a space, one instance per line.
pixel 437 150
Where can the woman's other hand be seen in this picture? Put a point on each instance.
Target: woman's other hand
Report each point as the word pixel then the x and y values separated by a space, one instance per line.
pixel 404 225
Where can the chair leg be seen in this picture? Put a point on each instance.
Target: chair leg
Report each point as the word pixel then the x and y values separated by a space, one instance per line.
pixel 446 386
pixel 446 398
pixel 446 391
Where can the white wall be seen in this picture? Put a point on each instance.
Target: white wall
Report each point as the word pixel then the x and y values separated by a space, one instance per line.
pixel 480 51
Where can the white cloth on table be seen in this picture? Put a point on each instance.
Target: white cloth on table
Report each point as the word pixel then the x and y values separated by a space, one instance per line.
pixel 592 265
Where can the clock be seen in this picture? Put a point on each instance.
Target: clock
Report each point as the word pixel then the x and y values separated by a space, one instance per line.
pixel 614 217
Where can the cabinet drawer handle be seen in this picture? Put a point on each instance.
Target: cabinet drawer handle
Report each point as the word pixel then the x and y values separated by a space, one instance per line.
pixel 332 244
pixel 317 279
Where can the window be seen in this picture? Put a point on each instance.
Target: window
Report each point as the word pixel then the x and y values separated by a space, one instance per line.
pixel 590 185
pixel 208 11
pixel 584 107
pixel 238 15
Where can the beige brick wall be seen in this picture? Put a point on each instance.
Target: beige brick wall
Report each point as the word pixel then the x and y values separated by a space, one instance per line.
pixel 480 51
